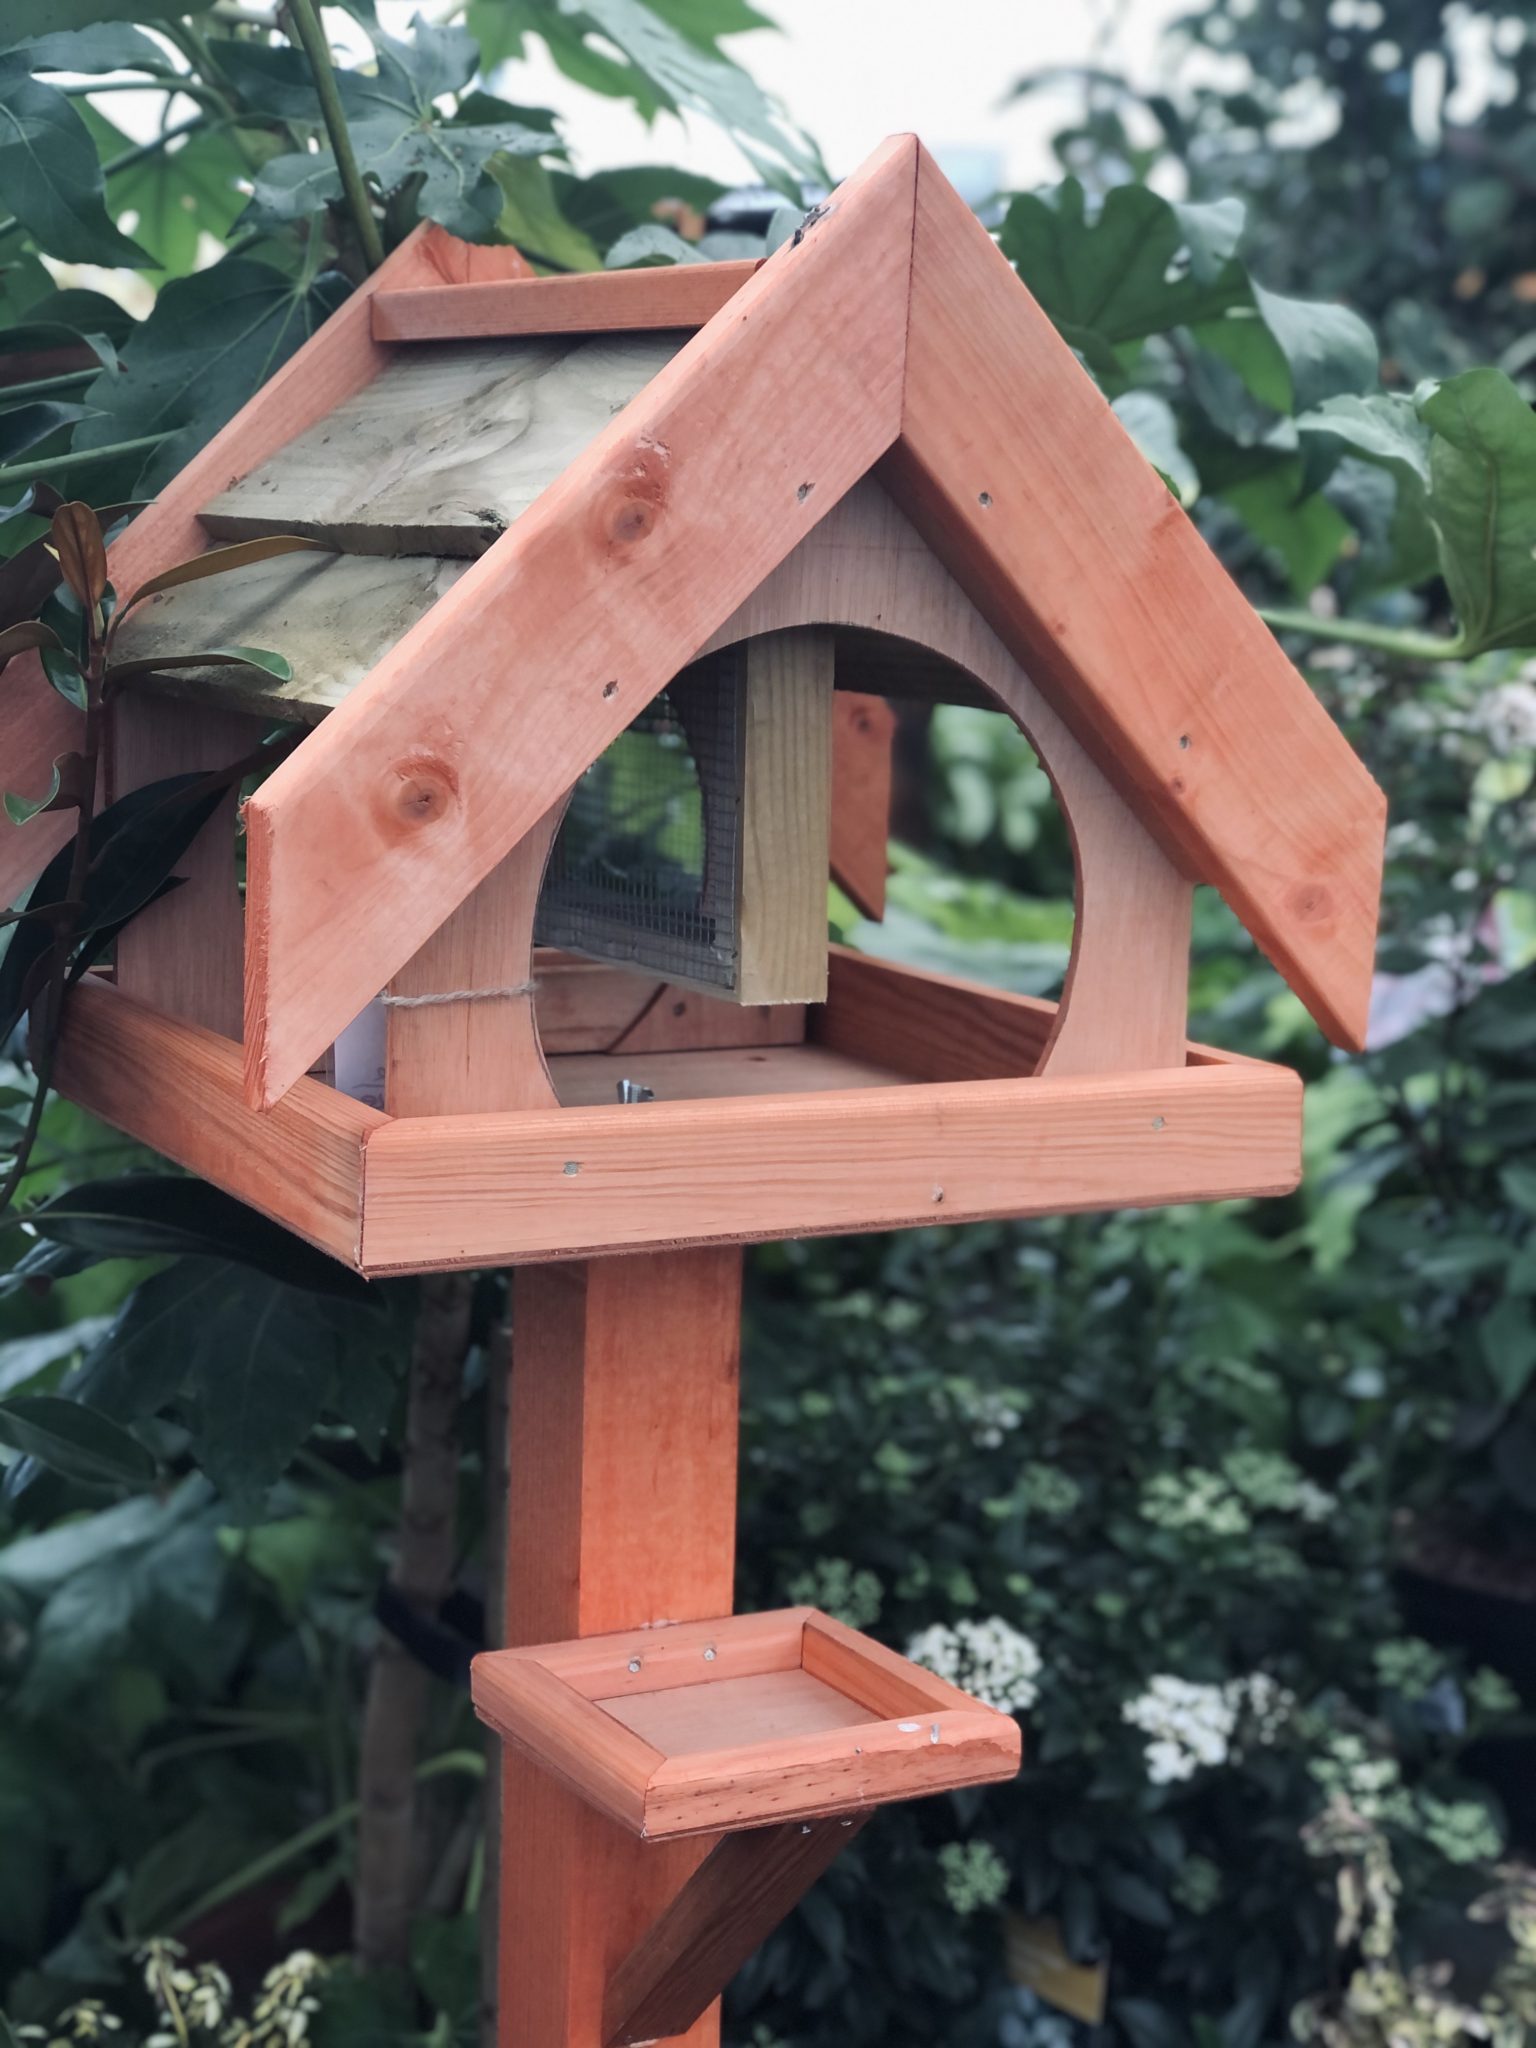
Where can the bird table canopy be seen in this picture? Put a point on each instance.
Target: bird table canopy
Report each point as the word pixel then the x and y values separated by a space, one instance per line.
pixel 618 578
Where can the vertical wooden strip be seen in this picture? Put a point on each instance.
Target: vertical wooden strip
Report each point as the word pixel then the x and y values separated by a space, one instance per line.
pixel 623 1512
pixel 481 1051
pixel 186 954
pixel 786 818
pixel 863 736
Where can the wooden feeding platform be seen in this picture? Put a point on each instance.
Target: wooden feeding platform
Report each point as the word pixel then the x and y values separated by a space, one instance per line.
pixel 624 580
pixel 777 1733
pixel 701 1727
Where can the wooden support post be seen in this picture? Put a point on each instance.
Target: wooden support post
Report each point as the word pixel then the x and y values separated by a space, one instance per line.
pixel 727 1909
pixel 623 1512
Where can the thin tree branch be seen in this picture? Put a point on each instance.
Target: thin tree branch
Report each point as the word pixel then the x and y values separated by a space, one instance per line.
pixel 398 1686
pixel 306 25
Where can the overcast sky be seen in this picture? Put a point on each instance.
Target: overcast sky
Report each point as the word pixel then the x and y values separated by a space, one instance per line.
pixel 855 71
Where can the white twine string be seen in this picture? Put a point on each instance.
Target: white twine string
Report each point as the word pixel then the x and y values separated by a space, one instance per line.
pixel 459 995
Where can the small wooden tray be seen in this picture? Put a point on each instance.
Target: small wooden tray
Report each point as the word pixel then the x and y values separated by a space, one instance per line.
pixel 700 1727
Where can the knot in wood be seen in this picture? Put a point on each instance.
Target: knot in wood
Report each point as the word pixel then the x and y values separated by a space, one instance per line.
pixel 418 791
pixel 634 499
pixel 1310 902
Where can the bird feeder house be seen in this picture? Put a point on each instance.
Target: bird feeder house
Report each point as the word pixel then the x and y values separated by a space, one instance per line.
pixel 625 572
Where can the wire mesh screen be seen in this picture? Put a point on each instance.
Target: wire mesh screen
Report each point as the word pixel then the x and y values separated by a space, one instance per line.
pixel 645 868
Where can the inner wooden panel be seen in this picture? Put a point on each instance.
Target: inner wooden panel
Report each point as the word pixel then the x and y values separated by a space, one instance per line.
pixel 772 1707
pixel 446 446
pixel 593 1080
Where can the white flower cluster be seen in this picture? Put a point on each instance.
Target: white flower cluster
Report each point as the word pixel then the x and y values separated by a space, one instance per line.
pixel 1192 1725
pixel 989 1658
pixel 1507 715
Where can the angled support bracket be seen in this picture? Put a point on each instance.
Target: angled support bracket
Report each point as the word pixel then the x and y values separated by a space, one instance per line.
pixel 746 1885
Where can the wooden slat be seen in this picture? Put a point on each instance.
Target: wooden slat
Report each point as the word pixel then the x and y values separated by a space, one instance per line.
pixel 683 1653
pixel 176 1088
pixel 865 566
pixel 559 1732
pixel 185 955
pixel 594 1006
pixel 587 1080
pixel 480 1050
pixel 840 1771
pixel 786 796
pixel 35 722
pixel 889 1686
pixel 677 295
pixel 930 1026
pixel 446 447
pixel 726 1911
pixel 1025 482
pixel 863 733
pixel 614 579
pixel 331 616
pixel 489 1190
pixel 623 1492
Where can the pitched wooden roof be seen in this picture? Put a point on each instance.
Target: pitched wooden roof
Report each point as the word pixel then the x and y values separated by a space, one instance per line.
pixel 892 333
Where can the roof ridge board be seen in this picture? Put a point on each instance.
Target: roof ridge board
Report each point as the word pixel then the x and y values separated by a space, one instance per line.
pixel 373 832
pixel 588 302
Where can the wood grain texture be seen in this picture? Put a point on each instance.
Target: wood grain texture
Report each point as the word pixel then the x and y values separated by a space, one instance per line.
pixel 756 1707
pixel 594 1006
pixel 866 567
pixel 176 1088
pixel 623 1493
pixel 185 955
pixel 35 722
pixel 931 1027
pixel 728 1908
pixel 682 1653
pixel 492 1190
pixel 786 799
pixel 1016 470
pixel 584 1080
pixel 863 733
pixel 331 616
pixel 625 566
pixel 840 1770
pixel 442 451
pixel 677 295
pixel 884 1682
pixel 481 1052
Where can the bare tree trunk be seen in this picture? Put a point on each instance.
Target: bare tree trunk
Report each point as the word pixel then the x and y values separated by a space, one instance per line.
pixel 397 1685
pixel 497 1372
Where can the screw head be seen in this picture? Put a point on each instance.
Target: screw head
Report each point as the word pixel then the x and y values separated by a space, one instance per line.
pixel 634 1663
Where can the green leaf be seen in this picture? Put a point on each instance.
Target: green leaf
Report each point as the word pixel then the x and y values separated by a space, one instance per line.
pixel 1482 464
pixel 25 636
pixel 27 18
pixel 109 46
pixel 24 426
pixel 1303 529
pixel 1150 422
pixel 650 245
pixel 157 1215
pixel 210 657
pixel 210 341
pixel 531 219
pixel 63 671
pixel 1519 1185
pixel 21 809
pixel 1115 278
pixel 74 1440
pixel 1327 349
pixel 260 1362
pixel 1507 1338
pixel 51 175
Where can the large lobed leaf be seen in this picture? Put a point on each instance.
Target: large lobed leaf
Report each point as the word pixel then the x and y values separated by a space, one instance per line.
pixel 51 176
pixel 1482 500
